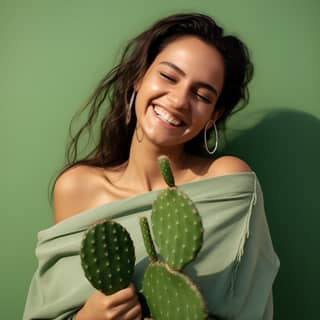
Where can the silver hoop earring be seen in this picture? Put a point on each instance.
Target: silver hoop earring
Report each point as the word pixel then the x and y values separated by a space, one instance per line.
pixel 129 108
pixel 210 138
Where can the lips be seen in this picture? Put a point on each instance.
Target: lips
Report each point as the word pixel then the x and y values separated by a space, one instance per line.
pixel 166 116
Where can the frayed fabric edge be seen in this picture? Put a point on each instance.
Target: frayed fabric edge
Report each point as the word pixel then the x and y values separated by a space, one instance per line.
pixel 244 236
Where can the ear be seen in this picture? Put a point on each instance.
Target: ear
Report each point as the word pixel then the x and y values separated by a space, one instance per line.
pixel 137 85
pixel 216 115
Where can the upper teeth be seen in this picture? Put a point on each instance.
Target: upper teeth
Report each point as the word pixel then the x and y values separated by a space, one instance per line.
pixel 165 115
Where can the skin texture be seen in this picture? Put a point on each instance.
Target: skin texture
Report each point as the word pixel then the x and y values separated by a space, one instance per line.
pixel 185 80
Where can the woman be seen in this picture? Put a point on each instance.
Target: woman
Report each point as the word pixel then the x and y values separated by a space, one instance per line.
pixel 175 83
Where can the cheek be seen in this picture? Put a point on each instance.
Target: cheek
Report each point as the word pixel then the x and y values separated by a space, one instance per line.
pixel 155 87
pixel 146 93
pixel 150 85
pixel 202 115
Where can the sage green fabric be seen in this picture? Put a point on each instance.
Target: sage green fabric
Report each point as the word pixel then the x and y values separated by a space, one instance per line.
pixel 234 270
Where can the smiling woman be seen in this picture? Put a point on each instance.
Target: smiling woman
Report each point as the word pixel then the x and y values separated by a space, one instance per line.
pixel 177 95
pixel 175 82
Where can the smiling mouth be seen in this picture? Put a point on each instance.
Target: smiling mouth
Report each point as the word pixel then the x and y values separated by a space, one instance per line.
pixel 165 116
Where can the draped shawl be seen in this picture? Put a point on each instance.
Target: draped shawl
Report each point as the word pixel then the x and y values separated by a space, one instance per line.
pixel 234 270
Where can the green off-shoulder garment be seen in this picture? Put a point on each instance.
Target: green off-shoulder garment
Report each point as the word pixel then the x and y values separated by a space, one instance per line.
pixel 234 270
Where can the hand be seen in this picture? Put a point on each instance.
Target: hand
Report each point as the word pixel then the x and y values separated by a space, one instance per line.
pixel 122 305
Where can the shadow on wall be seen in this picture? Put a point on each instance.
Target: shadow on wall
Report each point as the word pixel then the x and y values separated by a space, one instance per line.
pixel 284 151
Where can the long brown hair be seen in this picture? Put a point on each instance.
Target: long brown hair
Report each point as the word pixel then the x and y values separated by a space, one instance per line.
pixel 116 87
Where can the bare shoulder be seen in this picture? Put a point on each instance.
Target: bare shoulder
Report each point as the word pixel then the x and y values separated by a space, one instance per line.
pixel 228 165
pixel 75 190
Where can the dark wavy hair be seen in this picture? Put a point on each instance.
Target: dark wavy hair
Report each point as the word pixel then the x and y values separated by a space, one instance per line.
pixel 116 87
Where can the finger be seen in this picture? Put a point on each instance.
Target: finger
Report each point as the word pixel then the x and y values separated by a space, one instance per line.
pixel 123 296
pixel 132 314
pixel 122 309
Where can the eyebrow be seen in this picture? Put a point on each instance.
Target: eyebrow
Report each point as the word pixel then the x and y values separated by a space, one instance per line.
pixel 200 83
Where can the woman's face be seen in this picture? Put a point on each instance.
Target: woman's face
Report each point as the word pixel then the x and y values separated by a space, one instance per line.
pixel 178 93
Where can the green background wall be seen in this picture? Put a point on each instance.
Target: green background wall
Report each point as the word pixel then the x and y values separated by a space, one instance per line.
pixel 52 53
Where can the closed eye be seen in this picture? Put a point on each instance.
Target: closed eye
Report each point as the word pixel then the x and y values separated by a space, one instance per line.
pixel 164 75
pixel 199 96
pixel 204 98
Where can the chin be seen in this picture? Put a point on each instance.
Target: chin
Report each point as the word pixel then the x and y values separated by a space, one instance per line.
pixel 167 143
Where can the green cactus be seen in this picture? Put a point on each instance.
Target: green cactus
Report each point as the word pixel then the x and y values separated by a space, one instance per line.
pixel 107 256
pixel 166 171
pixel 176 224
pixel 177 228
pixel 172 295
pixel 178 233
pixel 148 243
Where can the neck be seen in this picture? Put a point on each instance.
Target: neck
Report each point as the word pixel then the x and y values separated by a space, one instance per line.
pixel 143 171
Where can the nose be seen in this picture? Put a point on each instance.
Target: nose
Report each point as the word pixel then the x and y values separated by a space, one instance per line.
pixel 179 97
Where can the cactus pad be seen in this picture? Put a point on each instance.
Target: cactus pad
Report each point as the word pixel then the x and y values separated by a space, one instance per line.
pixel 166 171
pixel 177 228
pixel 107 256
pixel 171 295
pixel 147 239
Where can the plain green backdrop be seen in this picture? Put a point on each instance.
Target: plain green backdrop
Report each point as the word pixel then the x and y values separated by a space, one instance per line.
pixel 53 53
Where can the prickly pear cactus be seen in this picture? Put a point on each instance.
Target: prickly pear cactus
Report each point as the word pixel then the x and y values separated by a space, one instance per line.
pixel 172 295
pixel 177 228
pixel 107 256
pixel 166 171
pixel 178 233
pixel 146 234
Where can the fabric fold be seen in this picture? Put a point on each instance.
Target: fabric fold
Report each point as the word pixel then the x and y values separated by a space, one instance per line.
pixel 234 270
